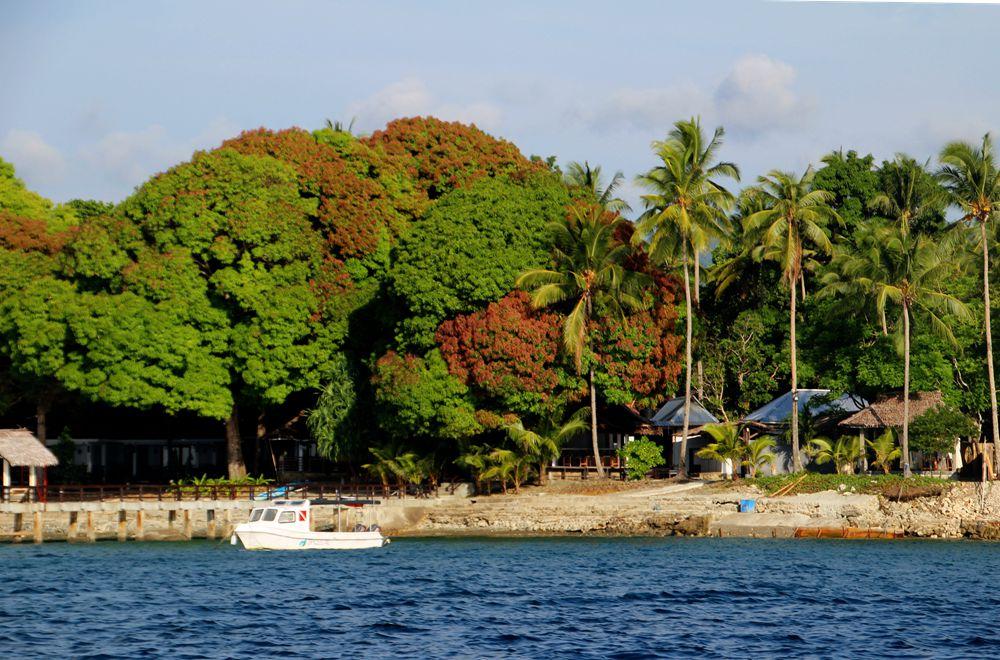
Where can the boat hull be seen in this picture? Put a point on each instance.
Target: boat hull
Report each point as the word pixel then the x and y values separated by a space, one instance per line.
pixel 259 539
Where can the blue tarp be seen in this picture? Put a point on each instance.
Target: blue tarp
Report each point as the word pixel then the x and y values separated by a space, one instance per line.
pixel 779 410
pixel 672 414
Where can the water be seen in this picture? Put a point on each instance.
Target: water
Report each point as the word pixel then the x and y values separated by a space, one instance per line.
pixel 622 598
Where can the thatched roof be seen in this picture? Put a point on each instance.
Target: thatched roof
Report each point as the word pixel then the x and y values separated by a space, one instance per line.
pixel 21 448
pixel 888 411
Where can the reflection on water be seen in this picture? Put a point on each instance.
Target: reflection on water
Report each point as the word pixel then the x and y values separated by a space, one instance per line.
pixel 521 597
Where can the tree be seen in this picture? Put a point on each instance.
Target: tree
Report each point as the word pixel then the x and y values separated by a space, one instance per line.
pixel 759 454
pixel 544 443
pixel 508 466
pixel 795 217
pixel 937 429
pixel 333 421
pixel 890 265
pixel 727 448
pixel 908 195
pixel 590 276
pixel 588 179
pixel 394 461
pixel 641 456
pixel 685 211
pixel 467 251
pixel 843 453
pixel 886 450
pixel 853 183
pixel 972 179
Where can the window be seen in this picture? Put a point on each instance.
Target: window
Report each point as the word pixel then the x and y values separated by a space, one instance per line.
pixel 255 515
pixel 286 517
pixel 270 514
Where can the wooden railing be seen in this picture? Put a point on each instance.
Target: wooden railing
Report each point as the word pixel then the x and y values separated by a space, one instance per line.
pixel 179 493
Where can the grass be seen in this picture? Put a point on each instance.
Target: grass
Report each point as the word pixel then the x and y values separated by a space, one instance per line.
pixel 874 484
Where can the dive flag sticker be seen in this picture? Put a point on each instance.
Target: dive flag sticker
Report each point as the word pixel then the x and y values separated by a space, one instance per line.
pixel 302 516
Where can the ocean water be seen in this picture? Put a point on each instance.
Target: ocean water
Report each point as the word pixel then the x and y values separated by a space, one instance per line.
pixel 576 597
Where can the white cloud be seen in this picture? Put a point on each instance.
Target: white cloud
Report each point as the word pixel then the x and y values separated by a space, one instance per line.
pixel 33 157
pixel 410 97
pixel 755 96
pixel 758 95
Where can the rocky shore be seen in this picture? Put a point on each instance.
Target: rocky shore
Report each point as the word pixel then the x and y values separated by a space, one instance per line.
pixel 963 510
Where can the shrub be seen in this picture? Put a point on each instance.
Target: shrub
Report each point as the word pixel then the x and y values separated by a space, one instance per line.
pixel 641 456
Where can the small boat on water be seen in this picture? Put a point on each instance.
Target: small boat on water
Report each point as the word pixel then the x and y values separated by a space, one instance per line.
pixel 287 525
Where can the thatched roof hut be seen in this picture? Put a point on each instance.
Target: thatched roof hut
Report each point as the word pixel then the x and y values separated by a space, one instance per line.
pixel 20 448
pixel 888 411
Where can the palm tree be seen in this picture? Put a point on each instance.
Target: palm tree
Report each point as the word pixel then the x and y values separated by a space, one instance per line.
pixel 886 450
pixel 727 448
pixel 508 466
pixel 589 273
pixel 394 461
pixel 908 271
pixel 476 459
pixel 972 179
pixel 758 454
pixel 545 441
pixel 685 210
pixel 792 224
pixel 844 453
pixel 589 178
pixel 906 195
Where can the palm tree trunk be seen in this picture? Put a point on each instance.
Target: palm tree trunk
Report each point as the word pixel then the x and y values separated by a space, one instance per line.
pixel 697 305
pixel 796 459
pixel 989 347
pixel 593 425
pixel 234 446
pixel 905 446
pixel 682 464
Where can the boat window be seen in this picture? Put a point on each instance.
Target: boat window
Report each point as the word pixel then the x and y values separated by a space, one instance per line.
pixel 255 515
pixel 286 517
pixel 270 514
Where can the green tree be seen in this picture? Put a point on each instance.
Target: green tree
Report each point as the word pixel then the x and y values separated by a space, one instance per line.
pixel 937 429
pixel 544 443
pixel 894 267
pixel 685 211
pixel 885 449
pixel 333 421
pixel 758 454
pixel 972 179
pixel 727 448
pixel 794 222
pixel 589 179
pixel 591 276
pixel 640 457
pixel 908 194
pixel 843 453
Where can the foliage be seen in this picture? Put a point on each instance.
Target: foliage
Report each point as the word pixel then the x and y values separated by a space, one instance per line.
pixel 508 354
pixel 333 422
pixel 469 248
pixel 728 446
pixel 759 454
pixel 394 461
pixel 937 429
pixel 885 449
pixel 205 481
pixel 852 184
pixel 815 482
pixel 417 397
pixel 589 180
pixel 441 156
pixel 844 452
pixel 640 457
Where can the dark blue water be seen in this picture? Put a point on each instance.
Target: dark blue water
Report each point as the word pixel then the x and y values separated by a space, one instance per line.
pixel 622 598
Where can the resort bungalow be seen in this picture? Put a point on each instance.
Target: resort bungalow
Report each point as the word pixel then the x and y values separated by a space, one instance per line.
pixel 887 412
pixel 670 418
pixel 24 461
pixel 773 419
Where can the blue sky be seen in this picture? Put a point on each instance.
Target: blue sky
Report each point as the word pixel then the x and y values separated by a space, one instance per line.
pixel 95 97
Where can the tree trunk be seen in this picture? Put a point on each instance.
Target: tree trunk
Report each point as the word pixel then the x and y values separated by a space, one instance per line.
pixel 682 469
pixel 541 473
pixel 905 445
pixel 234 446
pixel 259 442
pixel 41 413
pixel 989 346
pixel 593 425
pixel 796 459
pixel 697 305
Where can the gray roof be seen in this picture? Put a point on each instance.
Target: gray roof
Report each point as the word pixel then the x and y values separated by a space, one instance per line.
pixel 672 414
pixel 779 410
pixel 21 448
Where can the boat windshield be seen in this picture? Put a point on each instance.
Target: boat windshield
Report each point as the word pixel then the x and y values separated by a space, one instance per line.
pixel 286 517
pixel 269 514
pixel 255 515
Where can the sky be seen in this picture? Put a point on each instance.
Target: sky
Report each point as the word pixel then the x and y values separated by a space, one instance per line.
pixel 96 97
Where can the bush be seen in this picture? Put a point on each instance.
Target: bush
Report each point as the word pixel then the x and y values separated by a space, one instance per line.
pixel 937 429
pixel 641 456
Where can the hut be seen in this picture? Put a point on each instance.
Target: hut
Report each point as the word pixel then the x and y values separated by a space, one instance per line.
pixel 19 448
pixel 773 419
pixel 670 418
pixel 887 412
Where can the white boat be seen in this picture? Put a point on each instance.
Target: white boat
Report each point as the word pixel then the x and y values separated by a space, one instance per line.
pixel 287 525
